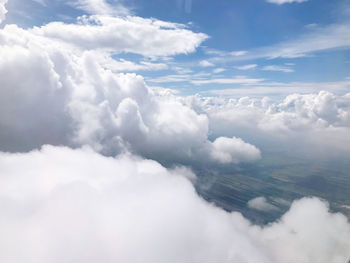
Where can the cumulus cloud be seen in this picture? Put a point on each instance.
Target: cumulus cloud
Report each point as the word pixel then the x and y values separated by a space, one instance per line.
pixel 3 10
pixel 147 37
pixel 71 95
pixel 260 203
pixel 280 2
pixel 320 120
pixel 64 205
pixel 233 150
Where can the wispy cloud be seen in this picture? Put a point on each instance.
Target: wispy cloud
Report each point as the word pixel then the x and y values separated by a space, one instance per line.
pixel 246 67
pixel 277 89
pixel 237 80
pixel 316 39
pixel 278 68
pixel 218 70
pixel 180 78
pixel 238 53
pixel 206 63
pixel 40 2
pixel 281 2
pixel 100 7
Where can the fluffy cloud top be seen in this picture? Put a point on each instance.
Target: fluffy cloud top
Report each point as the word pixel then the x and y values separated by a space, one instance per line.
pixel 148 37
pixel 321 120
pixel 64 205
pixel 69 95
pixel 3 10
pixel 233 150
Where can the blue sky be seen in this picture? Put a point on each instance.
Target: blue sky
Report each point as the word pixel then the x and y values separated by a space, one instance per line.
pixel 251 45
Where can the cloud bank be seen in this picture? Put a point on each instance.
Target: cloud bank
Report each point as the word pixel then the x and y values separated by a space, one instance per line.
pixel 318 122
pixel 64 205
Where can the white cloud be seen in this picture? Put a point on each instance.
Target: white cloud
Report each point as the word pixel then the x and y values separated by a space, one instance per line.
pixel 233 150
pixel 322 38
pixel 148 37
pixel 101 7
pixel 237 80
pixel 280 2
pixel 310 123
pixel 260 203
pixel 316 39
pixel 246 67
pixel 282 89
pixel 171 78
pixel 185 77
pixel 206 63
pixel 64 205
pixel 71 96
pixel 218 70
pixel 40 2
pixel 122 65
pixel 3 10
pixel 238 53
pixel 278 68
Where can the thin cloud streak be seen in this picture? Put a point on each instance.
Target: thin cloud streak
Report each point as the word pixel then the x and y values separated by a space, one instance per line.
pixel 283 88
pixel 319 39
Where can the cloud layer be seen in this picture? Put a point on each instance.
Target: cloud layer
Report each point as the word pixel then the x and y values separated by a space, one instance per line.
pixel 64 205
pixel 318 122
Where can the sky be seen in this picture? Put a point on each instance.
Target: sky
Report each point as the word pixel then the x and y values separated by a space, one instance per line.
pixel 249 44
pixel 108 110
